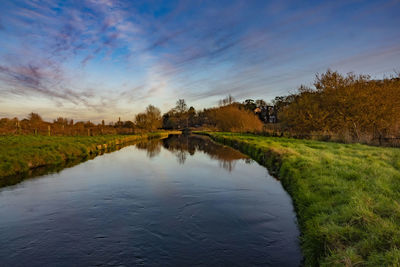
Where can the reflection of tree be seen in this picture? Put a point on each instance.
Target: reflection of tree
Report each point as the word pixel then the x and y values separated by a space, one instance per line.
pixel 227 165
pixel 182 145
pixel 248 161
pixel 181 156
pixel 153 147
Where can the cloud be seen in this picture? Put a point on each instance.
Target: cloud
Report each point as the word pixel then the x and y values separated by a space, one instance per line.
pixel 130 53
pixel 23 80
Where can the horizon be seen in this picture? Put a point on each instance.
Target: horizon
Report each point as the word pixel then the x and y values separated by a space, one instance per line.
pixel 103 59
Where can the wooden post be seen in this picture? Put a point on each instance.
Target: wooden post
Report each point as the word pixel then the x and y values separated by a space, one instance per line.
pixel 18 127
pixel 48 130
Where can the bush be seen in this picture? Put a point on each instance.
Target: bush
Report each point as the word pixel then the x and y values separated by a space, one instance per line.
pixel 232 118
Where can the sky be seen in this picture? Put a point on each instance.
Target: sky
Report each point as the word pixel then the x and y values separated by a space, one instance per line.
pixel 104 59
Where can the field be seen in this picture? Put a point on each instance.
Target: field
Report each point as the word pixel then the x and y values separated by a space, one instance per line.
pixel 21 153
pixel 347 196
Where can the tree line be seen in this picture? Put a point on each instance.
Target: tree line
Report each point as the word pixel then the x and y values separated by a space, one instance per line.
pixel 346 107
pixel 230 116
pixel 34 124
pixel 338 107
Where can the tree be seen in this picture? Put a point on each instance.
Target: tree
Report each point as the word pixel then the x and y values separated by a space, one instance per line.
pixel 128 124
pixel 191 116
pixel 178 117
pixel 260 103
pixel 35 118
pixel 154 117
pixel 181 106
pixel 36 122
pixel 226 101
pixel 233 118
pixel 249 104
pixel 141 121
pixel 352 106
pixel 150 120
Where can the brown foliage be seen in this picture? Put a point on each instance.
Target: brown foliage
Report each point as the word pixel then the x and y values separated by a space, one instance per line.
pixel 234 119
pixel 150 120
pixel 352 106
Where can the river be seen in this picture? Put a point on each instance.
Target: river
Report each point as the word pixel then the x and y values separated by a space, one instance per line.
pixel 180 201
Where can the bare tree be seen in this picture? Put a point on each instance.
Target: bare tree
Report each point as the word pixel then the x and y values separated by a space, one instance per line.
pixel 181 106
pixel 226 101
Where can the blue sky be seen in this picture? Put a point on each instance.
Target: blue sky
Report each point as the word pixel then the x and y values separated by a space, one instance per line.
pixel 98 59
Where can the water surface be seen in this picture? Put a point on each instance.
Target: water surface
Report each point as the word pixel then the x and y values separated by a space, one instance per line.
pixel 178 201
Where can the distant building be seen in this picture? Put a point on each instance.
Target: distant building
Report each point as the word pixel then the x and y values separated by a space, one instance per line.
pixel 267 114
pixel 257 110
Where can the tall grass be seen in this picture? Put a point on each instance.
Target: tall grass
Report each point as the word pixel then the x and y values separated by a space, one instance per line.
pixel 347 196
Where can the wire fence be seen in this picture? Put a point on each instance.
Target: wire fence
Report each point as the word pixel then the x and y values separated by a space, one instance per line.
pixel 71 130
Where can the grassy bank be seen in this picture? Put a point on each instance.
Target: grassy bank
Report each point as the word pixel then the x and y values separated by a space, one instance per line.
pixel 347 196
pixel 20 153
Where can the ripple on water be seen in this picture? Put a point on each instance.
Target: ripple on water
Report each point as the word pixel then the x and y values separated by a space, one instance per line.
pixel 179 201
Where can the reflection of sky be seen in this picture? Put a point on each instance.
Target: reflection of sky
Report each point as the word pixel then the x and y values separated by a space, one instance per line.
pixel 123 203
pixel 99 59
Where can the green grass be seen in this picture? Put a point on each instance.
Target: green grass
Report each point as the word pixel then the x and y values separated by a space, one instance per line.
pixel 347 196
pixel 20 153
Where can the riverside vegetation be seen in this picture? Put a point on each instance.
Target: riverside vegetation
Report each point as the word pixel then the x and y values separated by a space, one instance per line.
pixel 344 108
pixel 347 196
pixel 20 153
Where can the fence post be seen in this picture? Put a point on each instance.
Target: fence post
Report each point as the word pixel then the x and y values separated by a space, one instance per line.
pixel 48 130
pixel 18 128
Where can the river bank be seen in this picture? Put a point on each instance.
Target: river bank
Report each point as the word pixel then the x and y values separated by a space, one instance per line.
pixel 347 196
pixel 22 153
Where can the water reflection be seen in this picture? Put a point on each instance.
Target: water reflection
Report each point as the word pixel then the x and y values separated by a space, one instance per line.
pixel 180 145
pixel 128 209
pixel 53 169
pixel 183 146
pixel 152 146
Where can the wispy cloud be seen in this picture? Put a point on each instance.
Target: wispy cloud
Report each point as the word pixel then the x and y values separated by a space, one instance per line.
pixel 111 56
pixel 27 79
